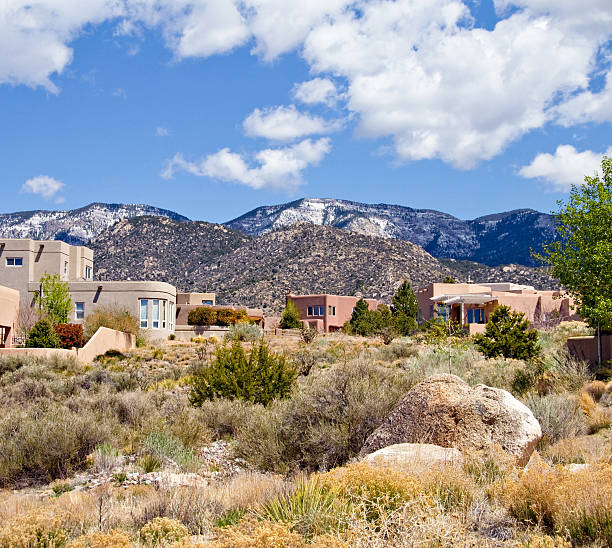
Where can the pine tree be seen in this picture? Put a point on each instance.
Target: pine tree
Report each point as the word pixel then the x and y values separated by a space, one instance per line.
pixel 405 309
pixel 291 317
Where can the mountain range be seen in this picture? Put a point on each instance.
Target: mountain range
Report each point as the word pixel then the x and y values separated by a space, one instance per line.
pixel 498 239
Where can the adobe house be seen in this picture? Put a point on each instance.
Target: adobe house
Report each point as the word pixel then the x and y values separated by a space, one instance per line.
pixel 326 313
pixel 24 261
pixel 9 313
pixel 471 304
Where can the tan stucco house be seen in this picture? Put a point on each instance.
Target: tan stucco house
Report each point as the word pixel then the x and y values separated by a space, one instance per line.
pixel 24 261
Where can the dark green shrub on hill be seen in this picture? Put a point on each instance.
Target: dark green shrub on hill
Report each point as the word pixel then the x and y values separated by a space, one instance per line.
pixel 508 334
pixel 43 335
pixel 260 377
pixel 405 309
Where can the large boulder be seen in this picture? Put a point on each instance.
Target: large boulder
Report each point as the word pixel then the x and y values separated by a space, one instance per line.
pixel 414 457
pixel 444 410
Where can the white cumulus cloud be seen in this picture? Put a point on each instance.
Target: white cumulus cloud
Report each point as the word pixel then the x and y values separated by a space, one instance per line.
pixel 317 90
pixel 285 124
pixel 161 131
pixel 44 186
pixel 564 168
pixel 276 168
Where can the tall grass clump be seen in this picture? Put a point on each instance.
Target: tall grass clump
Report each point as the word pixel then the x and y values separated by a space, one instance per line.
pixel 244 332
pixel 165 446
pixel 111 316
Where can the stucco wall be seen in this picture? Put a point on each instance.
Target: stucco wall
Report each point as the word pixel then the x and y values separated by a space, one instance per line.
pixel 9 312
pixel 42 353
pixel 343 304
pixel 106 339
pixel 585 348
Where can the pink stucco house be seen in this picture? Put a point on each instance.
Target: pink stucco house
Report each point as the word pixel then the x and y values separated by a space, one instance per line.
pixel 471 304
pixel 325 312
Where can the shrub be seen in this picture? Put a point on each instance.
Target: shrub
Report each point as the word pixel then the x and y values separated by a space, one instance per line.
pixel 326 422
pixel 507 334
pixel 290 318
pixel 44 444
pixel 260 378
pixel 244 332
pixel 203 315
pixel 70 334
pixel 308 334
pixel 576 504
pixel 116 539
pixel 38 528
pixel 405 309
pixel 559 416
pixel 165 446
pixel 43 335
pixel 111 316
pixel 162 531
pixel 227 316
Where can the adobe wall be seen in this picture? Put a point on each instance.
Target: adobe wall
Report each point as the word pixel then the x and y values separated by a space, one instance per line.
pixel 105 339
pixel 585 348
pixel 41 353
pixel 9 312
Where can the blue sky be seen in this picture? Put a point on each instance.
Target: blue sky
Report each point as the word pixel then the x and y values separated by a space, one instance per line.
pixel 214 107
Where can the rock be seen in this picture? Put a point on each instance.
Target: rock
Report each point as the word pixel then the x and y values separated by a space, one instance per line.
pixel 577 467
pixel 412 457
pixel 446 411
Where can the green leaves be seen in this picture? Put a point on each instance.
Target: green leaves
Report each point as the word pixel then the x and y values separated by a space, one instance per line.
pixel 54 298
pixel 582 257
pixel 291 317
pixel 507 334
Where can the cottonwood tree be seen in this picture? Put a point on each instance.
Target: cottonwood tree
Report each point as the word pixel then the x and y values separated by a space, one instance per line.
pixel 581 258
pixel 54 298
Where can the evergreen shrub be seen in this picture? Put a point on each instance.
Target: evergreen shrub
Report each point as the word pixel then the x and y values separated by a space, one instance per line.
pixel 43 335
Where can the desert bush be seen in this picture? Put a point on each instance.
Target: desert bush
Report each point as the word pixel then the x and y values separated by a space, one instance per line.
pixel 165 446
pixel 202 315
pixel 162 531
pixel 44 444
pixel 115 539
pixel 260 378
pixel 38 528
pixel 111 316
pixel 507 334
pixel 559 416
pixel 324 423
pixel 579 450
pixel 43 335
pixel 308 334
pixel 595 389
pixel 70 334
pixel 290 318
pixel 244 332
pixel 573 504
pixel 225 417
pixel 106 457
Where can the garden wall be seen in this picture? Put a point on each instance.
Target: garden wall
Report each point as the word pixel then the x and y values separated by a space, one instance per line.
pixel 585 348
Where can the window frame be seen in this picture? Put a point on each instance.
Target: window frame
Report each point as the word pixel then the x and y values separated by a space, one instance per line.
pixel 163 305
pixel 14 264
pixel 154 316
pixel 79 314
pixel 144 320
pixel 171 315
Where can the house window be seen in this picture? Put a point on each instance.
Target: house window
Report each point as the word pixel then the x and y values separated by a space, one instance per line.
pixel 475 315
pixel 163 314
pixel 88 272
pixel 155 313
pixel 14 261
pixel 310 311
pixel 65 267
pixel 144 313
pixel 331 310
pixel 171 316
pixel 79 311
pixel 207 302
pixel 318 311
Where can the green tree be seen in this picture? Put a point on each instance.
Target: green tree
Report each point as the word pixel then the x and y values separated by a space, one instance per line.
pixel 581 258
pixel 363 321
pixel 405 309
pixel 508 334
pixel 260 377
pixel 43 335
pixel 291 317
pixel 448 280
pixel 53 298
